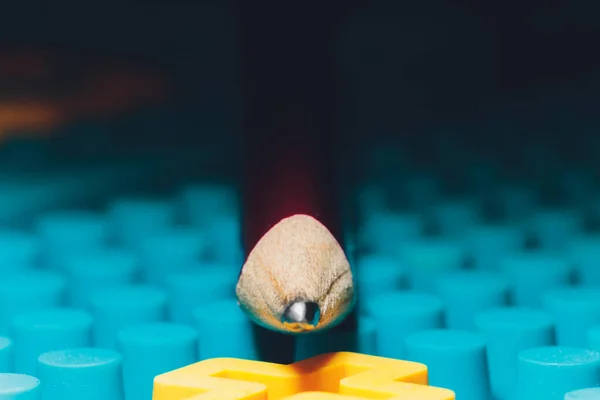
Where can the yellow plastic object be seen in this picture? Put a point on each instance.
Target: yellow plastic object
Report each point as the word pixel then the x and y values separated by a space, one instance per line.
pixel 332 376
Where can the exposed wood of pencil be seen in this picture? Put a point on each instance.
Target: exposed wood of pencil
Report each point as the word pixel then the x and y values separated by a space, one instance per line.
pixel 289 82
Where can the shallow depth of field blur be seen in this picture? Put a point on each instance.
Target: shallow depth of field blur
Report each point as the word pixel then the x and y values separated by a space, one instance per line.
pixel 468 144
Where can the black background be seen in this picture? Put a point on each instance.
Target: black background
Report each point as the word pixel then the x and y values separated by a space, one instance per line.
pixel 401 60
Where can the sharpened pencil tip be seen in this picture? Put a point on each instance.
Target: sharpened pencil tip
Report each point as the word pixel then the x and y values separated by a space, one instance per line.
pixel 297 278
pixel 303 312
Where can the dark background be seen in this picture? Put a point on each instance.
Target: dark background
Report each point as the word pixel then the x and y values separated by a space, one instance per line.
pixel 400 62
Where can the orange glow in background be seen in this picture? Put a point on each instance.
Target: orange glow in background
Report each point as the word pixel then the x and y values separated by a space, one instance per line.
pixel 31 104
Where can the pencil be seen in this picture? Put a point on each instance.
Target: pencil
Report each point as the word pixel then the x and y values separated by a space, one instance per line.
pixel 296 278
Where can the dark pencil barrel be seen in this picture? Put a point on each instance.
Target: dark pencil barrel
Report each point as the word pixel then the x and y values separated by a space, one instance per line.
pixel 290 85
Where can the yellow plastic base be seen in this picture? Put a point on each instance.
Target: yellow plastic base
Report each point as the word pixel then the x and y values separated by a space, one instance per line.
pixel 333 376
